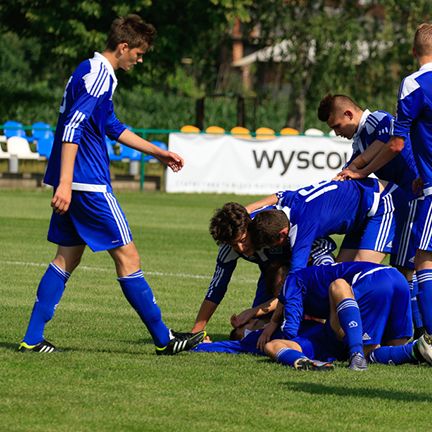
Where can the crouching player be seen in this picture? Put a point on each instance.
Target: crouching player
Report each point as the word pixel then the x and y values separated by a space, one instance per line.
pixel 365 305
pixel 229 228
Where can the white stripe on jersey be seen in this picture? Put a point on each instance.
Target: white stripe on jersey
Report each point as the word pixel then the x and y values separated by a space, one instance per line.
pixel 118 217
pixel 97 81
pixel 359 276
pixel 68 133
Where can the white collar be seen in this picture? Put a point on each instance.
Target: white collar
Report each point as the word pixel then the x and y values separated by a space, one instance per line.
pixel 426 66
pixel 105 61
pixel 362 122
pixel 292 233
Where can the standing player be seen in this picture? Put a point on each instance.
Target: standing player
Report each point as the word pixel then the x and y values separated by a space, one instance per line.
pixel 414 121
pixel 85 212
pixel 370 131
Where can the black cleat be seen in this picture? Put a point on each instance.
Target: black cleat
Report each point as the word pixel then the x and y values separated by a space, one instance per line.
pixel 314 365
pixel 357 362
pixel 41 347
pixel 181 342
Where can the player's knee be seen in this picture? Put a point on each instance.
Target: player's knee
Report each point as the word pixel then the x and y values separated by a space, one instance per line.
pixel 271 348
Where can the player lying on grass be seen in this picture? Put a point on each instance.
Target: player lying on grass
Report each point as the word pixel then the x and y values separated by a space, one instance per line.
pixel 369 301
pixel 370 131
pixel 85 211
pixel 229 228
pixel 363 210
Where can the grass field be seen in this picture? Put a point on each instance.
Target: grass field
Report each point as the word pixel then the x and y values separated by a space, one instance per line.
pixel 108 377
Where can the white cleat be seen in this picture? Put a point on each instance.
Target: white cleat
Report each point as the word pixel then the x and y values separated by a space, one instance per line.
pixel 424 348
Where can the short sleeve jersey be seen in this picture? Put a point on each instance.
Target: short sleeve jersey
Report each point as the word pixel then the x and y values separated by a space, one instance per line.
pixel 86 117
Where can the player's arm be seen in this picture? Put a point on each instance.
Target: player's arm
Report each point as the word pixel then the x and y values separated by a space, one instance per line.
pixel 264 202
pixel 63 194
pixel 205 312
pixel 173 160
pixel 258 311
pixel 272 326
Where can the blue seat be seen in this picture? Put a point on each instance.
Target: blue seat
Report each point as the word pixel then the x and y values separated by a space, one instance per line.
pixel 43 137
pixel 130 153
pixel 13 128
pixel 110 148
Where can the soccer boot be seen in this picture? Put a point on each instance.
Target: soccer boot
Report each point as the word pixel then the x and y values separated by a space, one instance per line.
pixel 181 342
pixel 315 365
pixel 423 348
pixel 41 347
pixel 357 362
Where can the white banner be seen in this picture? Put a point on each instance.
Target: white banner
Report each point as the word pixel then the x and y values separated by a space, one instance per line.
pixel 225 164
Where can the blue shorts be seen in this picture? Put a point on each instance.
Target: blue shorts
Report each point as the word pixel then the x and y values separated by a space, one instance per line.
pixel 94 219
pixel 318 341
pixel 404 244
pixel 383 297
pixel 378 231
pixel 423 224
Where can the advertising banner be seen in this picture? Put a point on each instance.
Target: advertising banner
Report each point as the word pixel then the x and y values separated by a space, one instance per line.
pixel 226 164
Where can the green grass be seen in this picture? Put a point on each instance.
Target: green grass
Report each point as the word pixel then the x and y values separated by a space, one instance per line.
pixel 109 379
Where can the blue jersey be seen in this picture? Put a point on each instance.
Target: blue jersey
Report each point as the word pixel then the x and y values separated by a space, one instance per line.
pixel 86 116
pixel 414 119
pixel 330 207
pixel 376 126
pixel 307 291
pixel 227 258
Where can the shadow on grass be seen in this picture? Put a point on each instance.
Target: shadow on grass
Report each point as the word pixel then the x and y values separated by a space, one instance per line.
pixel 362 392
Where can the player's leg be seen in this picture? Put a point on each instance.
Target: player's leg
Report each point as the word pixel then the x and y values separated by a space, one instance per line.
pixel 49 293
pixel 423 260
pixel 346 321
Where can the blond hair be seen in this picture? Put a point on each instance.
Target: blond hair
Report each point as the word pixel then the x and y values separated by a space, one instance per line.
pixel 423 40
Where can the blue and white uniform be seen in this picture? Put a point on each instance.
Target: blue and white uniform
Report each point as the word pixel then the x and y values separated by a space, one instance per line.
pixel 353 207
pixel 227 259
pixel 401 170
pixel 86 116
pixel 382 294
pixel 414 121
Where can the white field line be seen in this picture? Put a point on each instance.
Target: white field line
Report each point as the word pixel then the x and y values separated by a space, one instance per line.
pixel 111 270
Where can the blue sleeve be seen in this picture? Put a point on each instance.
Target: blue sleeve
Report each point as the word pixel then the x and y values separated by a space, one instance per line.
pixel 114 127
pixel 227 347
pixel 383 129
pixel 410 103
pixel 226 263
pixel 302 247
pixel 292 298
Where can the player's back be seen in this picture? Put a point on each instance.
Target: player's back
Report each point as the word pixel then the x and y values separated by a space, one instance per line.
pixel 331 207
pixel 402 169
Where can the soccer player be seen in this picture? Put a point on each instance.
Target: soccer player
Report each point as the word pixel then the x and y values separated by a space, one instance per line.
pixel 414 121
pixel 229 228
pixel 370 131
pixel 366 304
pixel 85 211
pixel 361 209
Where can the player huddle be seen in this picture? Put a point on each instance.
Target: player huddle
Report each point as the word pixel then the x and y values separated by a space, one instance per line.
pixel 310 308
pixel 354 309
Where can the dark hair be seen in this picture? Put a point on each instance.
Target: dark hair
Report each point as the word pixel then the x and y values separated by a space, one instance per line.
pixel 266 227
pixel 229 222
pixel 423 39
pixel 132 30
pixel 329 103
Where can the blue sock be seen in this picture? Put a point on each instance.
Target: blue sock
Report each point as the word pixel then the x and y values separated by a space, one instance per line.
pixel 288 356
pixel 424 297
pixel 417 319
pixel 140 296
pixel 49 292
pixel 350 321
pixel 395 355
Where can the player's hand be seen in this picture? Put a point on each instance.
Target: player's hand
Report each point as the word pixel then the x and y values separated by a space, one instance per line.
pixel 266 335
pixel 351 173
pixel 207 339
pixel 173 160
pixel 62 198
pixel 242 318
pixel 417 186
